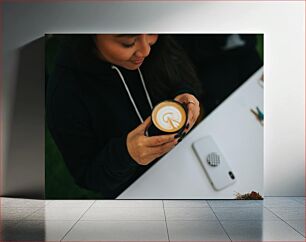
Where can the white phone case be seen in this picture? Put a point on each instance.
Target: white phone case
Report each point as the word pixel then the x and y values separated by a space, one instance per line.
pixel 214 163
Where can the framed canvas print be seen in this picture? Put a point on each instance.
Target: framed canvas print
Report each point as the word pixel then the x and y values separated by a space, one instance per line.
pixel 154 116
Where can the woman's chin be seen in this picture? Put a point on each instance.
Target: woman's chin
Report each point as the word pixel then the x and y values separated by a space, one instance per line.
pixel 132 66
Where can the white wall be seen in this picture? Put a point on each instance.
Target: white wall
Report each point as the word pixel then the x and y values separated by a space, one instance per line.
pixel 283 25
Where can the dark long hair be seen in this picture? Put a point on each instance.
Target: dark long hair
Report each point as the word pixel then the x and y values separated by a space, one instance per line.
pixel 167 67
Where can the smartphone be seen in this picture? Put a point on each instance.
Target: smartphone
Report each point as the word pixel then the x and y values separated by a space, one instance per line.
pixel 214 163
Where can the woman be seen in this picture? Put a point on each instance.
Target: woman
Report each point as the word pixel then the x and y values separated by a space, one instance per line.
pixel 99 104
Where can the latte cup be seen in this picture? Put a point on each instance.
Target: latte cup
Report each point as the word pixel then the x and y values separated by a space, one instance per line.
pixel 168 117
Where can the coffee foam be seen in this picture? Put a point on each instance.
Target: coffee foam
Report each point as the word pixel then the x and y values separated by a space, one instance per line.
pixel 169 116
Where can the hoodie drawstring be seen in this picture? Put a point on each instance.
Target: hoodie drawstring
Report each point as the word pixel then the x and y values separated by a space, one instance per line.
pixel 129 93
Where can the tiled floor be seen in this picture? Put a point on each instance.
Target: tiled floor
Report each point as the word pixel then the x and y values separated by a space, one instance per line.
pixel 274 219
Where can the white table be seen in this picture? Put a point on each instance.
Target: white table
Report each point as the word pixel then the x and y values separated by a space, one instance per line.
pixel 179 174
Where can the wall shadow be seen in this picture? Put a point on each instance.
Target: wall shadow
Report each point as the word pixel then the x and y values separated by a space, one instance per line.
pixel 24 170
pixel 28 230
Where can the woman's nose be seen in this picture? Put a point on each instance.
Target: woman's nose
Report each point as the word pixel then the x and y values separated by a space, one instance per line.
pixel 144 48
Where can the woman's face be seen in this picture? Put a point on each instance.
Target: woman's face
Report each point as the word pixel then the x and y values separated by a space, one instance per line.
pixel 125 50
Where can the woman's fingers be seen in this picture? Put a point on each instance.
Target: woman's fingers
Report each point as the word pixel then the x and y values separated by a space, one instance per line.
pixel 159 140
pixel 193 108
pixel 193 114
pixel 158 151
pixel 149 154
pixel 190 115
pixel 145 149
pixel 143 127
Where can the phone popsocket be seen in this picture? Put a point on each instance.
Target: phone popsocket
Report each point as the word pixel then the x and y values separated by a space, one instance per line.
pixel 215 165
pixel 168 117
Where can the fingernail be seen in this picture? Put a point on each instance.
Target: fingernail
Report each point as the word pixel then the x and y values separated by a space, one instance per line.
pixel 183 134
pixel 177 135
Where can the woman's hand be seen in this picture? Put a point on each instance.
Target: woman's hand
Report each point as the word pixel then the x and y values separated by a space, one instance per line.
pixel 193 106
pixel 145 149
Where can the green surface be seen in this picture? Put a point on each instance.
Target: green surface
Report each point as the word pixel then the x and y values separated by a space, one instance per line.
pixel 260 45
pixel 59 183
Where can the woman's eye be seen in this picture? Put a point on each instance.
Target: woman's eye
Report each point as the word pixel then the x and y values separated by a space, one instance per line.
pixel 128 45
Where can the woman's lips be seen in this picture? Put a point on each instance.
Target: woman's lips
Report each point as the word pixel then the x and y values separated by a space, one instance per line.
pixel 138 61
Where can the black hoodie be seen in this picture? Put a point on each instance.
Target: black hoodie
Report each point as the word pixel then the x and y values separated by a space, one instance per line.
pixel 89 115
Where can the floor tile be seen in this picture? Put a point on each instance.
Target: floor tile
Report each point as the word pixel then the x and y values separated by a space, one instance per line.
pixel 57 213
pixel 298 225
pixel 124 214
pixel 70 203
pixel 196 231
pixel 22 203
pixel 128 203
pixel 16 213
pixel 255 213
pixel 261 231
pixel 185 204
pixel 235 203
pixel 118 231
pixel 289 213
pixel 281 202
pixel 40 230
pixel 144 220
pixel 189 214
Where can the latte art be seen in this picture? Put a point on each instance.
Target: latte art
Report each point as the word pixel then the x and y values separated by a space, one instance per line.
pixel 169 116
